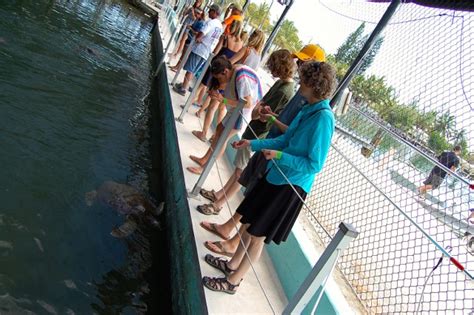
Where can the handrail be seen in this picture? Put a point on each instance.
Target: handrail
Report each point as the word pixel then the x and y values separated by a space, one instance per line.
pixel 183 60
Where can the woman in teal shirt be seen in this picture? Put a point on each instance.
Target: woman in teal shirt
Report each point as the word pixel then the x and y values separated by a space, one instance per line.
pixel 271 208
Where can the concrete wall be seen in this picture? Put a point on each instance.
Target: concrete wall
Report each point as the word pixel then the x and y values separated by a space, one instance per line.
pixel 292 267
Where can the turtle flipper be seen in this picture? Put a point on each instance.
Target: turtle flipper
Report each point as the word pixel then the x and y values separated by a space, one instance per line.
pixel 125 229
pixel 90 197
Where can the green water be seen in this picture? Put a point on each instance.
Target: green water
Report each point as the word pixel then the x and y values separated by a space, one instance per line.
pixel 72 78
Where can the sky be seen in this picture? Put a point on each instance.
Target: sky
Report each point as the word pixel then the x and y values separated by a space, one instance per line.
pixel 427 54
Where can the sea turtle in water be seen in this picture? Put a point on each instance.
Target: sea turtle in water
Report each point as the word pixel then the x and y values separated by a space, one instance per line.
pixel 127 201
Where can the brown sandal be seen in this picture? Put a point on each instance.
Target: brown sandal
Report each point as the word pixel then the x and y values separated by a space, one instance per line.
pixel 209 209
pixel 219 285
pixel 208 194
pixel 219 264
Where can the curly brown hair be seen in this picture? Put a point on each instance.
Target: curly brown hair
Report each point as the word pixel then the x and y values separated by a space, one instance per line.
pixel 320 77
pixel 281 64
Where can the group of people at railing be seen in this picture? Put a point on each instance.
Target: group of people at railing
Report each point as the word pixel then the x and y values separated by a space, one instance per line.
pixel 290 132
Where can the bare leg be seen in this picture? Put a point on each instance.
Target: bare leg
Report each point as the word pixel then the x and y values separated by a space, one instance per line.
pixel 204 106
pixel 221 113
pixel 200 94
pixel 230 188
pixel 235 261
pixel 423 189
pixel 176 66
pixel 240 263
pixel 226 229
pixel 209 116
pixel 187 78
pixel 181 44
pixel 203 160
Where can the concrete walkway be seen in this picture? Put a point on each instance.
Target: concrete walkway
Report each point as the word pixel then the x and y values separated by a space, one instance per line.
pixel 250 298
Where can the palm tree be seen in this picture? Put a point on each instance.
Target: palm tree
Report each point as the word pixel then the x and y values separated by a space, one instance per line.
pixel 445 124
pixel 258 14
pixel 287 36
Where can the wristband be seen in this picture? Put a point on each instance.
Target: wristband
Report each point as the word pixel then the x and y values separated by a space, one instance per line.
pixel 278 153
pixel 224 100
pixel 271 120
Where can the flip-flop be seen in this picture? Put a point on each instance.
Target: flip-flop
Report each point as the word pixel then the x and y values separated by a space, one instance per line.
pixel 212 228
pixel 195 159
pixel 198 134
pixel 220 248
pixel 194 170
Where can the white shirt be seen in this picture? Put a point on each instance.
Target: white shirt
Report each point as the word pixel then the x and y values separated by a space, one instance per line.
pixel 212 32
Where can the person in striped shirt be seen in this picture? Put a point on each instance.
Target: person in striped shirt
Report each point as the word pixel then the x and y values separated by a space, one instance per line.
pixel 242 85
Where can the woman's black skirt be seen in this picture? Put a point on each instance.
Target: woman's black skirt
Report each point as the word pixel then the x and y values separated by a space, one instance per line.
pixel 271 210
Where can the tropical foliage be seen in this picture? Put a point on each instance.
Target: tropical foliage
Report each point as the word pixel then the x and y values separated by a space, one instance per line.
pixel 287 37
pixel 372 91
pixel 258 16
pixel 348 51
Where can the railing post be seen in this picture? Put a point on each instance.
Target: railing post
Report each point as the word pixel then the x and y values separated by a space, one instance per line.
pixel 321 269
pixel 183 60
pixel 220 143
pixel 195 88
pixel 165 53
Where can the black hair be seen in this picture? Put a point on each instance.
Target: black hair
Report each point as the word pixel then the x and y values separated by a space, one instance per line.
pixel 219 64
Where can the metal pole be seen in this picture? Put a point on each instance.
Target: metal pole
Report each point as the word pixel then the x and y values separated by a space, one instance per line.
pixel 196 86
pixel 162 60
pixel 321 269
pixel 246 4
pixel 367 46
pixel 183 61
pixel 221 142
pixel 276 29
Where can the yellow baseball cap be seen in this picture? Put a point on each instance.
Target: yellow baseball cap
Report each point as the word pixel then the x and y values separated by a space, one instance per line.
pixel 311 52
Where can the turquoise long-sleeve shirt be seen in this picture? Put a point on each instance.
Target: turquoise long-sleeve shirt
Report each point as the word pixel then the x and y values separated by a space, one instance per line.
pixel 304 146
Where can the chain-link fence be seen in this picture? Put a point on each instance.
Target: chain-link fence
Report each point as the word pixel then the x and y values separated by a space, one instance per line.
pixel 410 103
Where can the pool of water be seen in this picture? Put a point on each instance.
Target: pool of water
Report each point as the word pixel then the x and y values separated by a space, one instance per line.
pixel 72 78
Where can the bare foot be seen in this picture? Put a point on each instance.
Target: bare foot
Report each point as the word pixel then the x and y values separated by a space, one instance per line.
pixel 196 160
pixel 198 134
pixel 194 170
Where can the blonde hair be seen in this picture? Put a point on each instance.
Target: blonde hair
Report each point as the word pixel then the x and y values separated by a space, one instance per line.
pixel 244 36
pixel 256 40
pixel 236 29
